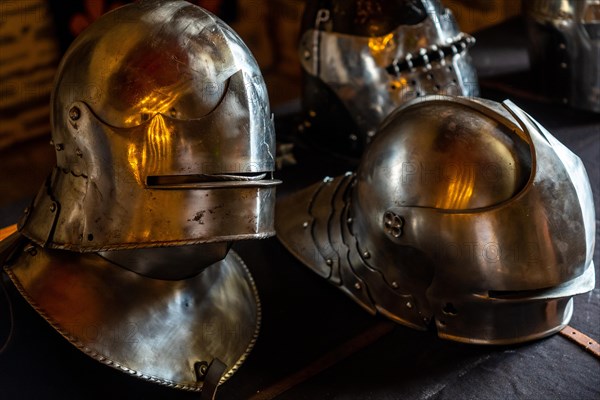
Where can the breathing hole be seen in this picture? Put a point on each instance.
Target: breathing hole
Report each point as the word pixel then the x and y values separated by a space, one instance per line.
pixel 90 237
pixel 450 309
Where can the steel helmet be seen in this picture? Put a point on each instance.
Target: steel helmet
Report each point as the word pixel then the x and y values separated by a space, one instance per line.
pixel 362 59
pixel 157 106
pixel 165 153
pixel 464 214
pixel 564 45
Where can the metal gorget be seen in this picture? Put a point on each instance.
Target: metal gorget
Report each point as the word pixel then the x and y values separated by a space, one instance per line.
pixel 163 331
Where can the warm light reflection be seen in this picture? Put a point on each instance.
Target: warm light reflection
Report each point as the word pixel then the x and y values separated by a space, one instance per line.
pixel 399 84
pixel 154 152
pixel 459 191
pixel 380 43
pixel 135 162
pixel 146 234
pixel 6 232
pixel 591 15
pixel 154 103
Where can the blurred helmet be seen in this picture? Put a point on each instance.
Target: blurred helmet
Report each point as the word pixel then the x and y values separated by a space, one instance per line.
pixel 564 45
pixel 463 213
pixel 361 59
pixel 164 138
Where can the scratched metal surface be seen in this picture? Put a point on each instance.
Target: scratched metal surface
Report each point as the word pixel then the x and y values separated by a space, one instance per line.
pixel 304 317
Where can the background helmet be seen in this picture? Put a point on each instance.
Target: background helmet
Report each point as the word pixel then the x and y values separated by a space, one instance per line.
pixel 463 213
pixel 362 59
pixel 159 106
pixel 564 45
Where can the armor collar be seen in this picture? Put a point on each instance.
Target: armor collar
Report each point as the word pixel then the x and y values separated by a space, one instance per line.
pixel 162 331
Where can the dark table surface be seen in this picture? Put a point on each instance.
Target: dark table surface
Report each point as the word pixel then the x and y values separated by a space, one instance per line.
pixel 315 343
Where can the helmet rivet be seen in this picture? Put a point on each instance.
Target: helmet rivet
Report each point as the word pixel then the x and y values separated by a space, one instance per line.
pixel 306 54
pixel 30 249
pixel 59 147
pixel 395 285
pixel 52 207
pixel 366 254
pixel 74 113
pixel 305 224
pixel 79 153
pixel 393 224
pixel 329 262
pixel 201 368
pixel 409 304
pixel 357 286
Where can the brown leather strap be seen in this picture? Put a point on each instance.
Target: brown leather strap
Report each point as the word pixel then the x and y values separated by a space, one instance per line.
pixel 328 360
pixel 6 232
pixel 215 371
pixel 581 339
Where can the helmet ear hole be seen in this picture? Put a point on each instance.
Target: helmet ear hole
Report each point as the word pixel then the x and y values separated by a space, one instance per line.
pixel 393 224
pixel 449 309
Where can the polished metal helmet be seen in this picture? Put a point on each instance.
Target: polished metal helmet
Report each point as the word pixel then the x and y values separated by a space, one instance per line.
pixel 464 214
pixel 564 45
pixel 361 59
pixel 165 153
pixel 159 106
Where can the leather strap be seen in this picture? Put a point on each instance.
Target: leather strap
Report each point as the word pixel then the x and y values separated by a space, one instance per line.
pixel 6 232
pixel 589 344
pixel 329 359
pixel 215 371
